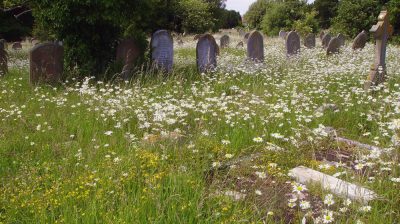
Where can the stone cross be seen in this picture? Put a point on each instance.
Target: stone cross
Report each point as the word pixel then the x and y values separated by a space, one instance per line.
pixel 3 58
pixel 382 31
pixel 46 63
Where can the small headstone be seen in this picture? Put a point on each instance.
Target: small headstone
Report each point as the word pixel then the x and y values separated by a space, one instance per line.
pixel 242 33
pixel 197 36
pixel 255 46
pixel 206 53
pixel 382 32
pixel 342 39
pixel 46 63
pixel 239 45
pixel 162 50
pixel 3 58
pixel 360 40
pixel 16 46
pixel 282 34
pixel 224 41
pixel 321 35
pixel 246 37
pixel 333 46
pixel 309 41
pixel 127 53
pixel 292 43
pixel 325 40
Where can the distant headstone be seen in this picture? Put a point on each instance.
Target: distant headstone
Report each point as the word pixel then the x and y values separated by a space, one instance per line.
pixel 246 37
pixel 46 63
pixel 342 39
pixel 325 40
pixel 282 34
pixel 240 44
pixel 292 43
pixel 255 46
pixel 242 33
pixel 382 32
pixel 127 53
pixel 333 46
pixel 197 36
pixel 3 58
pixel 321 35
pixel 360 40
pixel 224 41
pixel 16 46
pixel 180 41
pixel 309 41
pixel 162 50
pixel 206 53
pixel 35 42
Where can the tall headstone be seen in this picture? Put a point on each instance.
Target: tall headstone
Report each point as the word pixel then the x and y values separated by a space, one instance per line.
pixel 16 46
pixel 325 40
pixel 224 41
pixel 292 43
pixel 333 46
pixel 360 40
pixel 206 53
pixel 382 31
pixel 127 52
pixel 282 34
pixel 3 58
pixel 255 46
pixel 46 63
pixel 162 50
pixel 342 39
pixel 309 41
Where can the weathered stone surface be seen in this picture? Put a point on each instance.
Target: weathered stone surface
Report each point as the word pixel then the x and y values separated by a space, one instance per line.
pixel 282 34
pixel 360 40
pixel 292 43
pixel 16 46
pixel 46 63
pixel 224 41
pixel 333 46
pixel 321 35
pixel 127 53
pixel 246 37
pixel 206 53
pixel 342 39
pixel 3 58
pixel 162 50
pixel 339 187
pixel 309 41
pixel 325 40
pixel 255 46
pixel 242 33
pixel 197 36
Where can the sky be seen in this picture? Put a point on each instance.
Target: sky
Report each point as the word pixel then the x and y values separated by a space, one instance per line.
pixel 241 5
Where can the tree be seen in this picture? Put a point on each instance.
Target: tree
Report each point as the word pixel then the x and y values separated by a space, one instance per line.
pixel 326 11
pixel 255 14
pixel 231 19
pixel 197 16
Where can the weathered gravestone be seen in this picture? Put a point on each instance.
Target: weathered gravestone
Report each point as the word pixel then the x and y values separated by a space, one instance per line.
pixel 282 34
pixel 224 41
pixel 246 37
pixel 239 45
pixel 46 63
pixel 255 46
pixel 206 53
pixel 16 46
pixel 127 53
pixel 292 43
pixel 162 50
pixel 309 41
pixel 3 58
pixel 382 31
pixel 360 40
pixel 321 35
pixel 333 46
pixel 325 40
pixel 197 36
pixel 342 39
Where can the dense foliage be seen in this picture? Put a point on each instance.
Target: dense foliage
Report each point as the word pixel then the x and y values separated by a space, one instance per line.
pixel 326 10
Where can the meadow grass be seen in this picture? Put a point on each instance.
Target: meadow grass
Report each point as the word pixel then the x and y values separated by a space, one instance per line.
pixel 152 150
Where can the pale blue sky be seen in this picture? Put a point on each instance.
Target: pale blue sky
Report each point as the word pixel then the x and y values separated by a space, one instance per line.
pixel 241 5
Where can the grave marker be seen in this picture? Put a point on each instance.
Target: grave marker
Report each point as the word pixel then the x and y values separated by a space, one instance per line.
pixel 342 39
pixel 360 40
pixel 162 50
pixel 224 41
pixel 321 35
pixel 325 40
pixel 206 53
pixel 292 43
pixel 16 46
pixel 382 31
pixel 333 46
pixel 127 53
pixel 46 63
pixel 309 41
pixel 282 34
pixel 255 46
pixel 3 58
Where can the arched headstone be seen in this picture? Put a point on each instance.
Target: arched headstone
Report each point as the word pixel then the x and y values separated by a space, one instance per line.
pixel 360 40
pixel 206 53
pixel 3 58
pixel 16 46
pixel 127 52
pixel 162 50
pixel 255 46
pixel 333 46
pixel 309 41
pixel 224 41
pixel 292 43
pixel 46 63
pixel 342 39
pixel 282 34
pixel 325 40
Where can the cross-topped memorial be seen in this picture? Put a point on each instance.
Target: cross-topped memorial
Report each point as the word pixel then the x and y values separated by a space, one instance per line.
pixel 382 31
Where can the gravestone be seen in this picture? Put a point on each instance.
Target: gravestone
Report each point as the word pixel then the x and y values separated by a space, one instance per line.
pixel 206 53
pixel 342 39
pixel 292 43
pixel 325 40
pixel 333 46
pixel 309 41
pixel 162 50
pixel 360 40
pixel 46 63
pixel 282 34
pixel 127 53
pixel 242 33
pixel 3 58
pixel 321 35
pixel 16 46
pixel 255 46
pixel 240 44
pixel 246 37
pixel 197 36
pixel 382 32
pixel 224 41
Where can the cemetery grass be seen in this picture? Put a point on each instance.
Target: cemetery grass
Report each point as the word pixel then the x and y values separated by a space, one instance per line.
pixel 153 150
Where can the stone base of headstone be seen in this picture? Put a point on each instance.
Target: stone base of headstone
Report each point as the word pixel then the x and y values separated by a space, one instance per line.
pixel 376 77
